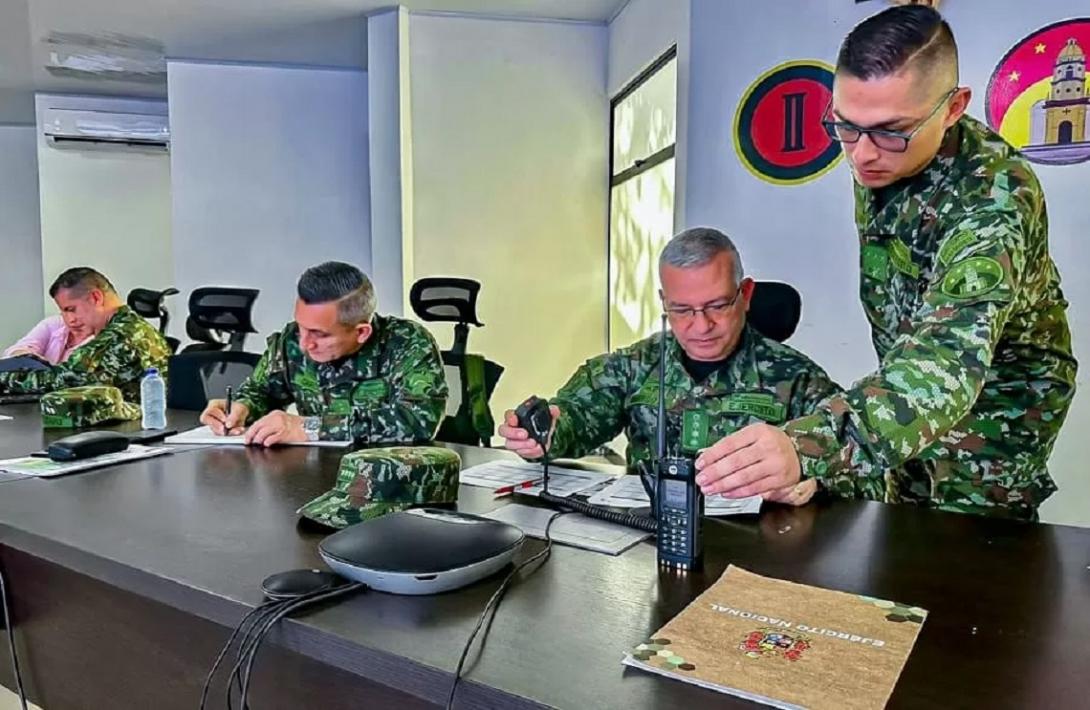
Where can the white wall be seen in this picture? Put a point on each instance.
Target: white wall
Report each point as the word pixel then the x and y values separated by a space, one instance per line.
pixel 805 234
pixel 107 207
pixel 269 170
pixel 20 235
pixel 391 158
pixel 510 131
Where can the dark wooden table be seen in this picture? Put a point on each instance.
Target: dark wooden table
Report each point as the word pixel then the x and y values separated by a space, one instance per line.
pixel 126 582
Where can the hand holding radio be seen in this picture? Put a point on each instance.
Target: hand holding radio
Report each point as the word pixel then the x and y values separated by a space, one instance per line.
pixel 528 429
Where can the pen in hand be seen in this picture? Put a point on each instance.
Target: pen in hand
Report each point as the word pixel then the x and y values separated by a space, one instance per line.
pixel 226 428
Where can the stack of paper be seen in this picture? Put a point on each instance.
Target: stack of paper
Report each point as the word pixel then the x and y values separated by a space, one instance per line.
pixel 570 529
pixel 504 477
pixel 44 468
pixel 205 436
pixel 628 492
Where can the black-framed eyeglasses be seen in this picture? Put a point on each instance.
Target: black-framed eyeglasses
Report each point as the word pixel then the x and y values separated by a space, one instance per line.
pixel 892 141
pixel 711 311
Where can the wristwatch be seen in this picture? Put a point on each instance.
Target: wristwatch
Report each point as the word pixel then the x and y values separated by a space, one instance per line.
pixel 312 426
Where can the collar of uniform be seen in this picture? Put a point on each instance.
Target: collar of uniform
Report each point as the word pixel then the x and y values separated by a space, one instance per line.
pixel 872 220
pixel 723 380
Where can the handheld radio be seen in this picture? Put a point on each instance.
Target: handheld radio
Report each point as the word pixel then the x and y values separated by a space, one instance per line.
pixel 678 502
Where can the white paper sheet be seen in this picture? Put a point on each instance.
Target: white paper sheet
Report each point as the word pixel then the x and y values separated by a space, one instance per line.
pixel 203 435
pixel 570 529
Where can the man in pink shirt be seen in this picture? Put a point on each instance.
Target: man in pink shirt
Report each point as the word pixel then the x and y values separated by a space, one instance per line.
pixel 51 340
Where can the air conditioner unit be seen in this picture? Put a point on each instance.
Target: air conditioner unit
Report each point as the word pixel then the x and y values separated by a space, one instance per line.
pixel 81 126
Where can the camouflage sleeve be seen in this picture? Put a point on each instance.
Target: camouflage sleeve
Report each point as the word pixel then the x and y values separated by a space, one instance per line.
pixel 931 377
pixel 811 388
pixel 592 406
pixel 266 388
pixel 413 406
pixel 115 357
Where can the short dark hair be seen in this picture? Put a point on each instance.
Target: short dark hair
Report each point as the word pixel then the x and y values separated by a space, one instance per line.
pixel 341 282
pixel 81 280
pixel 895 38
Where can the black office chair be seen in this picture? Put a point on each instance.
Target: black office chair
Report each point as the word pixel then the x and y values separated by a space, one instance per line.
pixel 775 309
pixel 470 377
pixel 220 318
pixel 150 304
pixel 196 377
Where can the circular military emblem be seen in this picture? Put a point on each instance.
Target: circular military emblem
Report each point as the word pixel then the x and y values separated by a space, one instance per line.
pixel 777 127
pixel 1037 96
pixel 973 277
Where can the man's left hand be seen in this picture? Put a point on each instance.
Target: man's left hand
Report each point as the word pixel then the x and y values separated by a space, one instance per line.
pixel 276 428
pixel 757 460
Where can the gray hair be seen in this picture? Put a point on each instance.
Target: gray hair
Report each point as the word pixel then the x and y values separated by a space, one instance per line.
pixel 343 283
pixel 698 246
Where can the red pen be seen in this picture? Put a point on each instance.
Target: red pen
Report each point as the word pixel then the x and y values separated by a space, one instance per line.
pixel 507 490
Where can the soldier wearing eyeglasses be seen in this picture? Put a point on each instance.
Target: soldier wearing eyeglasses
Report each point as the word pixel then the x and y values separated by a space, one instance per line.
pixel 721 374
pixel 967 317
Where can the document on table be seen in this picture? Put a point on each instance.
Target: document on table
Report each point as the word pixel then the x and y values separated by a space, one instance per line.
pixel 204 435
pixel 628 492
pixel 570 529
pixel 45 468
pixel 504 477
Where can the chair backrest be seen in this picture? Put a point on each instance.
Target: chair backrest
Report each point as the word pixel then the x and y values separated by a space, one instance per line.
pixel 461 425
pixel 220 317
pixel 150 304
pixel 775 309
pixel 196 377
pixel 450 300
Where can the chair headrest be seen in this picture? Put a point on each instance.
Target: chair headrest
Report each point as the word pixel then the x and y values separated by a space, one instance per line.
pixel 775 309
pixel 223 308
pixel 446 299
pixel 147 302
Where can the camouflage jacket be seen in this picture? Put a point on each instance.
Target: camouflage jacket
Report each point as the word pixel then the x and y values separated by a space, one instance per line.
pixel 762 381
pixel 969 324
pixel 392 391
pixel 118 356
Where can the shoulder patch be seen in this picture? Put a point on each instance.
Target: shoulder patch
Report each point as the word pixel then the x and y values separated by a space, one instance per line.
pixel 972 277
pixel 954 246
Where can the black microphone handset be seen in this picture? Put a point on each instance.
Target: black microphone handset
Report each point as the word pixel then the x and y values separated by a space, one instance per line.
pixel 536 419
pixel 678 502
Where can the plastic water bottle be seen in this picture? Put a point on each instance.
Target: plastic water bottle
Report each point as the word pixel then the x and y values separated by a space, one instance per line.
pixel 153 400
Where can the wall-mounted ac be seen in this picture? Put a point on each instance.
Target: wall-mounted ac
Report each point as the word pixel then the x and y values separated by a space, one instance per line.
pixel 81 126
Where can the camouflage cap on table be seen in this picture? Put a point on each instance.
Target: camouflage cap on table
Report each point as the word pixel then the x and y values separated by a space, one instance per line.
pixel 85 406
pixel 374 482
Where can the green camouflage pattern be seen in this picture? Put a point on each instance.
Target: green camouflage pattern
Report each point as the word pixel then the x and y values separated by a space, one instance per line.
pixel 119 355
pixel 763 381
pixel 85 406
pixel 392 391
pixel 374 482
pixel 970 326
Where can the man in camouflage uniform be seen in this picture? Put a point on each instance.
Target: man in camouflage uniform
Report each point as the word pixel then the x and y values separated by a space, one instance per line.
pixel 962 296
pixel 121 348
pixel 721 374
pixel 353 375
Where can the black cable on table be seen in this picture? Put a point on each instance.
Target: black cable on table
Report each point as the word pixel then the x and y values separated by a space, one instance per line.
pixel 11 642
pixel 494 601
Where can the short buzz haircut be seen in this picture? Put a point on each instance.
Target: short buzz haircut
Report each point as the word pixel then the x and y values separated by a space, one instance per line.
pixel 898 38
pixel 80 280
pixel 343 283
pixel 698 246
